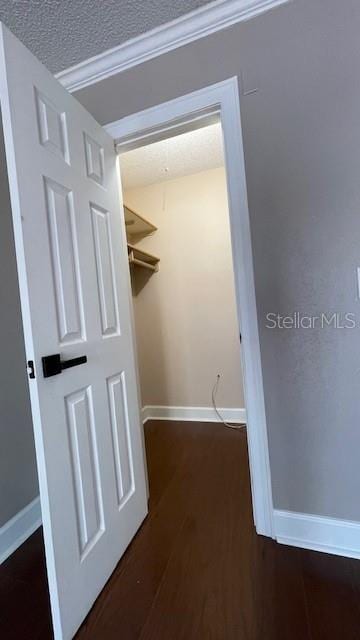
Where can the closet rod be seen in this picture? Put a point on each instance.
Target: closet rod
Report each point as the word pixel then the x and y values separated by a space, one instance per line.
pixel 142 263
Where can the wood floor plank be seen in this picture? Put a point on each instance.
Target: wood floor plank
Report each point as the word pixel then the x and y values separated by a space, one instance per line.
pixel 333 600
pixel 21 614
pixel 199 597
pixel 165 452
pixel 24 597
pixel 281 607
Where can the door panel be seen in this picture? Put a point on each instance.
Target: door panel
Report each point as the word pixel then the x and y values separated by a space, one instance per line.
pixel 105 271
pixel 120 425
pixel 85 468
pixel 94 154
pixel 52 127
pixel 74 286
pixel 65 262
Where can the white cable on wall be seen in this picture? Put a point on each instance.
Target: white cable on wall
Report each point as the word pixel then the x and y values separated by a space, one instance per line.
pixel 213 396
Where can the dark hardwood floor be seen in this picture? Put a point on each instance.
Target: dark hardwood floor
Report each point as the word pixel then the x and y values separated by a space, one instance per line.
pixel 196 570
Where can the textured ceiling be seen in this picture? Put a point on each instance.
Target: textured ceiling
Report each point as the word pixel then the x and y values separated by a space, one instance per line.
pixel 179 156
pixel 63 32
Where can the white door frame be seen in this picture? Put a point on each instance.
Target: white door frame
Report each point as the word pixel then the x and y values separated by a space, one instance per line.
pixel 182 114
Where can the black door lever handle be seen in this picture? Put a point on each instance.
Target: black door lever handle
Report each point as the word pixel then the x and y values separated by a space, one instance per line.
pixel 52 365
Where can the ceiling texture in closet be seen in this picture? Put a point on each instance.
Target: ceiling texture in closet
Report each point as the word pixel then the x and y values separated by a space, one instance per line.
pixel 182 155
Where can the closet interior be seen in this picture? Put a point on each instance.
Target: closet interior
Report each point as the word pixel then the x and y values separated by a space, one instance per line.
pixel 179 252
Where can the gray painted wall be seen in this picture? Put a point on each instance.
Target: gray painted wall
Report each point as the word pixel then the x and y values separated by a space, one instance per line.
pixel 18 476
pixel 302 151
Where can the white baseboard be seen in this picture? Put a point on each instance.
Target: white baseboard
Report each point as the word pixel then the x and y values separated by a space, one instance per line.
pixel 329 535
pixel 192 414
pixel 14 532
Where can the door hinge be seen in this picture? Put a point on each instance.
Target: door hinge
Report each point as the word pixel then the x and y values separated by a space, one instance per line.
pixel 31 369
pixel 240 338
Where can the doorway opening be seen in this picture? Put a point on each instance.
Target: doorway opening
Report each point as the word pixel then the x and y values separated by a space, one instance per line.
pixel 215 105
pixel 179 247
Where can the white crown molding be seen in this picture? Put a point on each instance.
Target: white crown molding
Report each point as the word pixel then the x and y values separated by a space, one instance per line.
pixel 192 26
pixel 14 532
pixel 318 533
pixel 192 414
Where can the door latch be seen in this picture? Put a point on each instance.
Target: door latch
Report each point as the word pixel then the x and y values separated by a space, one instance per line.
pixel 53 365
pixel 31 369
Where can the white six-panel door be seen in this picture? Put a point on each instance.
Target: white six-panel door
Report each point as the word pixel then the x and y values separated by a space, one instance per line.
pixel 73 275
